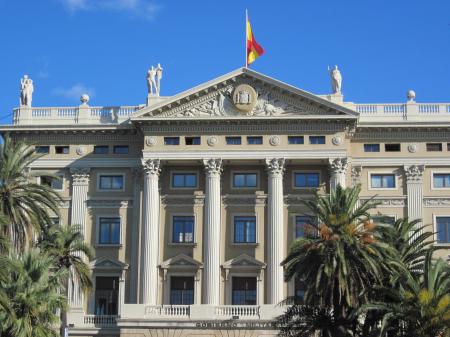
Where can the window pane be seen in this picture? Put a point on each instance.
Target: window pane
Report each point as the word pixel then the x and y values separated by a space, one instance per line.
pixel 245 229
pixel 42 149
pixel 438 180
pixel 117 182
pixel 57 184
pixel 104 232
pixel 443 229
pixel 101 149
pixel 182 290
pixel 447 180
pixel 244 291
pixel 233 140
pixel 375 181
pixel 388 181
pixel 115 232
pixel 295 139
pixel 371 147
pixel 313 180
pixel 239 228
pixel 178 180
pixel 183 229
pixel 317 139
pixel 105 182
pixel 120 149
pixel 191 180
pixel 254 140
pixel 239 180
pixel 251 180
pixel 300 180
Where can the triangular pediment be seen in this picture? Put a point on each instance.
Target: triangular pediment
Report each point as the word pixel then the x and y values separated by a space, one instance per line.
pixel 181 261
pixel 243 93
pixel 105 263
pixel 243 261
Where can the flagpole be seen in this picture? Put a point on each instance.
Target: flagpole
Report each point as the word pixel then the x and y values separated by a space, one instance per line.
pixel 246 36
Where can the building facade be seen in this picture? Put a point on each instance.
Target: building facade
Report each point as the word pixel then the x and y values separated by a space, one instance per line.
pixel 192 201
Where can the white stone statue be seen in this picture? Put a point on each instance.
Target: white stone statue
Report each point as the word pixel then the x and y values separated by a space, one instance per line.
pixel 26 91
pixel 159 72
pixel 336 80
pixel 151 81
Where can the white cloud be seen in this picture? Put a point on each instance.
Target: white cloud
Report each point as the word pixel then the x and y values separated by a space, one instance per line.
pixel 73 92
pixel 145 8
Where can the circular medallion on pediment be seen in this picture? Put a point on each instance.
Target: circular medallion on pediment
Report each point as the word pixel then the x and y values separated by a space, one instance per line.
pixel 274 140
pixel 412 148
pixel 212 141
pixel 244 97
pixel 150 141
pixel 336 140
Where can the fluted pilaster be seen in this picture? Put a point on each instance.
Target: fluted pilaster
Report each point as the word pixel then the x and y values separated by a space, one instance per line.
pixel 338 170
pixel 150 232
pixel 211 240
pixel 414 187
pixel 275 224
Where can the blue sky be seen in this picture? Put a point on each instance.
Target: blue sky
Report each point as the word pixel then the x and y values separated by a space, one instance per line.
pixel 104 47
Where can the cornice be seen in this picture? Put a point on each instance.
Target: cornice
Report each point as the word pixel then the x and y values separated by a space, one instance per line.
pixel 80 162
pixel 400 161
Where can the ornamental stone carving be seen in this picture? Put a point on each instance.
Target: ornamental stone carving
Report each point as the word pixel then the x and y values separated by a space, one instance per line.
pixel 26 91
pixel 436 202
pixel 414 173
pixel 212 141
pixel 150 141
pixel 151 166
pixel 213 166
pixel 274 140
pixel 80 175
pixel 275 166
pixel 338 165
pixel 356 174
pixel 80 150
pixel 336 140
pixel 244 98
pixel 412 148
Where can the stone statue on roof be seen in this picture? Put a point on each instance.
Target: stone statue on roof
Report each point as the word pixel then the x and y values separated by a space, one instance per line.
pixel 159 71
pixel 151 81
pixel 336 80
pixel 26 91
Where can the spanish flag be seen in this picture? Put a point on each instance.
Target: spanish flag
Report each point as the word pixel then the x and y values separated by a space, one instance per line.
pixel 254 50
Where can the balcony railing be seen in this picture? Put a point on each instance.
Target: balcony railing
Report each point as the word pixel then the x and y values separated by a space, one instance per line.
pixel 241 311
pixel 173 311
pixel 100 320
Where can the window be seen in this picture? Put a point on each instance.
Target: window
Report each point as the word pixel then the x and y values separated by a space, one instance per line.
pixel 192 140
pixel 382 180
pixel 371 147
pixel 183 229
pixel 306 179
pixel 120 149
pixel 448 146
pixel 443 229
pixel 245 229
pixel 171 140
pixel 383 219
pixel 295 140
pixel 241 180
pixel 243 291
pixel 111 182
pixel 304 226
pixel 55 220
pixel 316 139
pixel 42 149
pixel 106 295
pixel 61 149
pixel 233 140
pixel 392 147
pixel 101 149
pixel 254 140
pixel 441 180
pixel 55 183
pixel 109 231
pixel 184 180
pixel 181 290
pixel 434 147
pixel 299 291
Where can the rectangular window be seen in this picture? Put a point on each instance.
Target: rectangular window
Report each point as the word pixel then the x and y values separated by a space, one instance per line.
pixel 183 229
pixel 441 180
pixel 101 149
pixel 254 140
pixel 61 149
pixel 382 180
pixel 304 226
pixel 296 140
pixel 184 180
pixel 448 146
pixel 243 291
pixel 181 290
pixel 120 149
pixel 111 182
pixel 306 179
pixel 109 231
pixel 55 221
pixel 106 295
pixel 434 147
pixel 171 140
pixel 300 289
pixel 392 147
pixel 54 183
pixel 42 149
pixel 371 147
pixel 192 140
pixel 245 229
pixel 316 139
pixel 443 229
pixel 244 180
pixel 383 219
pixel 233 140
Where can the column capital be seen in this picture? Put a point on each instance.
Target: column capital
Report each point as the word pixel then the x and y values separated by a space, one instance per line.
pixel 80 175
pixel 338 165
pixel 414 173
pixel 213 166
pixel 275 166
pixel 356 174
pixel 151 166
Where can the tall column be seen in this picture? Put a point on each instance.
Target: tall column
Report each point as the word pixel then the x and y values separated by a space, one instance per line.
pixel 80 188
pixel 150 233
pixel 136 225
pixel 338 169
pixel 414 187
pixel 275 230
pixel 211 239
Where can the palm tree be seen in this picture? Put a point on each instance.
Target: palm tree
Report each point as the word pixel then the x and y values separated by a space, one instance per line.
pixel 32 297
pixel 25 203
pixel 342 260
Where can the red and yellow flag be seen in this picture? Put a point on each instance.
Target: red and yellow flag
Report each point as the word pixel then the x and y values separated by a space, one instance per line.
pixel 254 50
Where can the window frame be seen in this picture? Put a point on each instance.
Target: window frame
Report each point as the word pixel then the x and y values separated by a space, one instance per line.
pixel 394 216
pixel 171 137
pixel 193 137
pixel 235 276
pixel 100 146
pixel 63 181
pixel 436 143
pixel 233 229
pixel 42 146
pixel 317 136
pixel 255 137
pixel 432 173
pixel 62 147
pixel 390 144
pixel 233 172
pixel 234 137
pixel 371 144
pixel 369 181
pixel 98 228
pixel 112 174
pixel 194 229
pixel 121 154
pixel 294 172
pixel 294 224
pixel 172 173
pixel 300 137
pixel 435 230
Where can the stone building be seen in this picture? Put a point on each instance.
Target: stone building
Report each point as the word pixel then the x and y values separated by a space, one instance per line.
pixel 191 201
